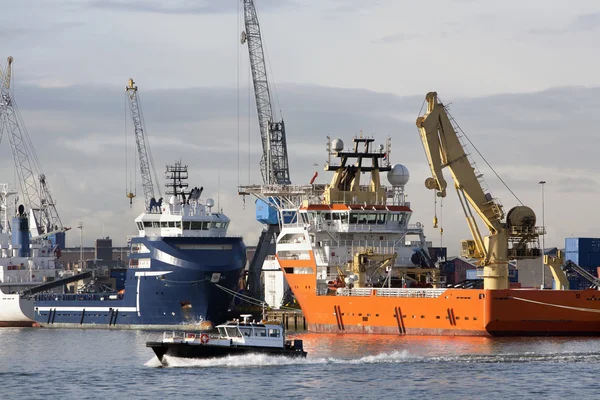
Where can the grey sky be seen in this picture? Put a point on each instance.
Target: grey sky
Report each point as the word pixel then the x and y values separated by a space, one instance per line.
pixel 521 77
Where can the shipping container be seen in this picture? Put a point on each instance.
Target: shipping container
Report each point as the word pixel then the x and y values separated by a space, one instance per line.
pixel 582 245
pixel 583 259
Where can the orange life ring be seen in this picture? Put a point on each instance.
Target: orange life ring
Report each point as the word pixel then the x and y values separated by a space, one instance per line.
pixel 204 338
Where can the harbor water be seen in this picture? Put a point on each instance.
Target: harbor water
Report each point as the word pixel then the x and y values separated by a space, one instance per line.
pixel 91 364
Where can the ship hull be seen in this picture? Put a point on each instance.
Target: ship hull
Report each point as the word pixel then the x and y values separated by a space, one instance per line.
pixel 205 351
pixel 453 312
pixel 15 311
pixel 177 284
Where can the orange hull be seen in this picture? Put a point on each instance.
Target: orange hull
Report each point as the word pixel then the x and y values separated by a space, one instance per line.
pixel 471 312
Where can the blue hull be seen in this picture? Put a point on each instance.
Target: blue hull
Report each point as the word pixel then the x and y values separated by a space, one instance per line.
pixel 173 285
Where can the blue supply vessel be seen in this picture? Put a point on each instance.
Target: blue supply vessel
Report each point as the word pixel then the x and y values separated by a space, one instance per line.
pixel 182 269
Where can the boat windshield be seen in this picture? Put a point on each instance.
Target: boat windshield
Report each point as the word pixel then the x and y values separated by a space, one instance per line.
pixel 233 332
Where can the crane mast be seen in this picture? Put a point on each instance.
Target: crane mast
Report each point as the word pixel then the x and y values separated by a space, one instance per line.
pixel 37 197
pixel 444 149
pixel 274 161
pixel 141 144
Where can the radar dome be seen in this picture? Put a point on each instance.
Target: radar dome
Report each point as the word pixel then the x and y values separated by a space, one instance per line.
pixel 398 176
pixel 173 200
pixel 337 145
pixel 210 202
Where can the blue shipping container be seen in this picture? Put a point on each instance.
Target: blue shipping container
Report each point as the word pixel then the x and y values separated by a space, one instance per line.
pixel 585 260
pixel 582 245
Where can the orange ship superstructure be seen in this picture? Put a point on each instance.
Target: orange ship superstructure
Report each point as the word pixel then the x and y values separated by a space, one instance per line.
pixel 356 265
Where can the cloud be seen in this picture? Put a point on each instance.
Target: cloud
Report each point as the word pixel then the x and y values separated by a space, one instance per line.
pixel 581 23
pixel 81 135
pixel 397 37
pixel 180 6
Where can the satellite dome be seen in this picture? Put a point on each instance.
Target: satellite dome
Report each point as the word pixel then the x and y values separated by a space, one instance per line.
pixel 210 202
pixel 398 176
pixel 173 200
pixel 337 145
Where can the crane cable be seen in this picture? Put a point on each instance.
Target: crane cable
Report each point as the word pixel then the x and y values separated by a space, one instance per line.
pixel 471 143
pixel 481 155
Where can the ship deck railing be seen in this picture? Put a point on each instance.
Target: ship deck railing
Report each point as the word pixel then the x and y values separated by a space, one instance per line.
pixel 391 292
pixel 78 297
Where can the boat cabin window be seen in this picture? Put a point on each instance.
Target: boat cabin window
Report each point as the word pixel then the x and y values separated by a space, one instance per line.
pixel 233 332
pixel 186 225
pixel 140 226
pixel 156 224
pixel 353 218
pixel 273 332
pixel 260 332
pixel 222 332
pixel 171 224
pixel 247 332
pixel 205 226
pixel 196 225
pixel 400 218
pixel 147 224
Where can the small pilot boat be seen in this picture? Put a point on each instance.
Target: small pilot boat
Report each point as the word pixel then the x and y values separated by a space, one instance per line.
pixel 234 338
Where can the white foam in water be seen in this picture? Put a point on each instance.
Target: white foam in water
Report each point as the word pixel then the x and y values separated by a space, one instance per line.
pixel 262 360
pixel 153 363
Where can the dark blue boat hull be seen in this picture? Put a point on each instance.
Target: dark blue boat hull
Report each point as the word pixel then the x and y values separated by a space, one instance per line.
pixel 179 282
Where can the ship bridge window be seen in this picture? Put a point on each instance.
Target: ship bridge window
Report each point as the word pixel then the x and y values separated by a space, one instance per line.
pixel 367 218
pixel 205 226
pixel 140 226
pixel 400 218
pixel 196 225
pixel 353 218
pixel 171 224
pixel 222 332
pixel 381 218
pixel 155 224
pixel 147 224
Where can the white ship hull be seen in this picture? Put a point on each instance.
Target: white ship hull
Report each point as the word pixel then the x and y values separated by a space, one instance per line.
pixel 15 311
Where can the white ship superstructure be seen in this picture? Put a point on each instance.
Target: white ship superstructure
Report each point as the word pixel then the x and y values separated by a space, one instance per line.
pixel 23 265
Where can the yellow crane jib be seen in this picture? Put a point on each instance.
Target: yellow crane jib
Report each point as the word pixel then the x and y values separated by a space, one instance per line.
pixel 443 148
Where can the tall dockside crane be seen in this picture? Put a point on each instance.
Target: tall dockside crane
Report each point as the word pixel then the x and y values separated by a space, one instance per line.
pixel 34 186
pixel 513 238
pixel 146 163
pixel 274 161
pixel 274 165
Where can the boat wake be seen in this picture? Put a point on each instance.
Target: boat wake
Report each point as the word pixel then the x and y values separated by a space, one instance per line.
pixel 395 357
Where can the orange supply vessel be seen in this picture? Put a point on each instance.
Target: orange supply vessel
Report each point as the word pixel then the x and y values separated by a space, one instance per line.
pixel 355 264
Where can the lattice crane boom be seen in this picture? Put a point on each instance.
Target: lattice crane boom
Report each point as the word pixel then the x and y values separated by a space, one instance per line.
pixel 274 161
pixel 32 180
pixel 146 165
